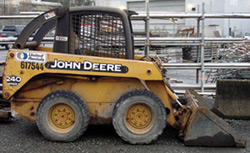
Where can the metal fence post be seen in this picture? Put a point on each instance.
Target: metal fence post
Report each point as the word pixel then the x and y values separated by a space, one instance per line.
pixel 212 50
pixel 198 50
pixel 147 28
pixel 202 47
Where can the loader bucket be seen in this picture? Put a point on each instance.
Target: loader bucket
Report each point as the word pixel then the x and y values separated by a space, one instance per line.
pixel 205 128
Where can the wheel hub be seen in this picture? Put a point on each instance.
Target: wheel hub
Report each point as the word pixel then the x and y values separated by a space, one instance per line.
pixel 62 116
pixel 139 116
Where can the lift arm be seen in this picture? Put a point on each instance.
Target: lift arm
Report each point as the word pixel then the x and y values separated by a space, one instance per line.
pixel 47 17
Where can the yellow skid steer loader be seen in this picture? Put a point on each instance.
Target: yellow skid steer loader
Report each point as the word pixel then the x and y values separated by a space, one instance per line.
pixel 91 76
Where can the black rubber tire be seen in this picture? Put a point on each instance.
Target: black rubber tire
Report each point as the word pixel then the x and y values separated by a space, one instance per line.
pixel 79 107
pixel 157 108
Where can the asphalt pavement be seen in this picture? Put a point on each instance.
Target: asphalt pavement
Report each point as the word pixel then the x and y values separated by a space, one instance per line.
pixel 23 136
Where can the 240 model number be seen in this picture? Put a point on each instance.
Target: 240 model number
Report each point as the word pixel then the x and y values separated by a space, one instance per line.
pixel 32 66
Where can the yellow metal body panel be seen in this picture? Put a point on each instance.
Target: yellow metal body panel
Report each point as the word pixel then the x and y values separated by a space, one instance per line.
pixel 25 109
pixel 23 65
pixel 29 76
pixel 45 49
pixel 100 95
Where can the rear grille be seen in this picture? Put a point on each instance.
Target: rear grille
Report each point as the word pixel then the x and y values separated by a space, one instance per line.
pixel 97 34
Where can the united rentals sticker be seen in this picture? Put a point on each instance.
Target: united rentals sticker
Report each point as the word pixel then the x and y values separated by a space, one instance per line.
pixel 86 66
pixel 13 80
pixel 31 57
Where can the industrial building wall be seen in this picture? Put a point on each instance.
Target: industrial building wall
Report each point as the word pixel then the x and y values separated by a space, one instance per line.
pixel 159 27
pixel 162 27
pixel 112 3
pixel 167 28
pixel 158 5
pixel 238 26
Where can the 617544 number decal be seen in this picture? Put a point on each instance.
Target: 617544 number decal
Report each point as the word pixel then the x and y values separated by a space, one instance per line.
pixel 32 66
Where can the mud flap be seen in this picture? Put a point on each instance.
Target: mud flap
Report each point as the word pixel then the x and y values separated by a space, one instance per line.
pixel 205 128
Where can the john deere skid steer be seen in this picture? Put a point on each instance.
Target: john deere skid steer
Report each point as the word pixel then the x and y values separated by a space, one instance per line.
pixel 91 76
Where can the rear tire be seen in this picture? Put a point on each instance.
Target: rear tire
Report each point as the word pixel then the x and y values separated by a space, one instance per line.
pixel 139 117
pixel 62 116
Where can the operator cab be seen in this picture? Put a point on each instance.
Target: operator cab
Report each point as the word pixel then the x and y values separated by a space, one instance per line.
pixel 92 31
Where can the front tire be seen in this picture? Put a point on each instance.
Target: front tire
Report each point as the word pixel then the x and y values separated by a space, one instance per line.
pixel 62 116
pixel 139 117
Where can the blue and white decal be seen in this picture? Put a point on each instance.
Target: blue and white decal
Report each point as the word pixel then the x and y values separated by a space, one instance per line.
pixel 31 57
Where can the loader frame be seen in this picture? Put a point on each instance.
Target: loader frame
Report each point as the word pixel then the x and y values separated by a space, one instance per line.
pixel 50 75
